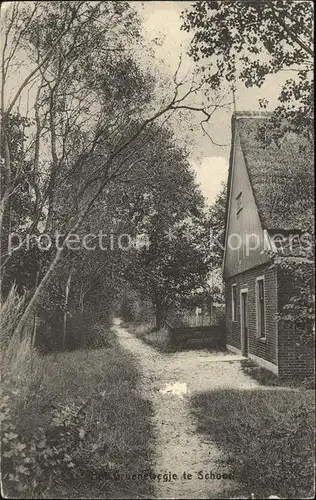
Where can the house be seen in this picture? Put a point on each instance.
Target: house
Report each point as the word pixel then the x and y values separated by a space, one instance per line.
pixel 268 205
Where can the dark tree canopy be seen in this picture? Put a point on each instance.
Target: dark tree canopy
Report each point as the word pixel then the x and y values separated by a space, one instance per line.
pixel 216 225
pixel 246 40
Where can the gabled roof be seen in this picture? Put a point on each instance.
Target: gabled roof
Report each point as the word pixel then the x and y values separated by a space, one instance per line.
pixel 277 172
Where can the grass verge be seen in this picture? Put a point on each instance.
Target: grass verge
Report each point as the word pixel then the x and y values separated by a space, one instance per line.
pixel 266 437
pixel 72 423
pixel 267 378
pixel 159 339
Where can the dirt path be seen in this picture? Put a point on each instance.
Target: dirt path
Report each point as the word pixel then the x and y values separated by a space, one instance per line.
pixel 168 381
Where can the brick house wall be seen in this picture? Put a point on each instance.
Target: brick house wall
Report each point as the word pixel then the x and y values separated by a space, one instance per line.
pixel 294 359
pixel 246 214
pixel 262 348
pixel 281 346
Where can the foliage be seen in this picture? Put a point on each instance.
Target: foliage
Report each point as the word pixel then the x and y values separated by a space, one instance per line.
pixel 30 465
pixel 92 123
pixel 68 420
pixel 134 309
pixel 216 225
pixel 297 307
pixel 247 41
pixel 81 93
pixel 21 204
pixel 159 339
pixel 266 438
pixel 163 210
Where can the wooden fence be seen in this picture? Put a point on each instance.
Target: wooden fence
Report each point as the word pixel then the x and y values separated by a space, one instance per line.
pixel 210 336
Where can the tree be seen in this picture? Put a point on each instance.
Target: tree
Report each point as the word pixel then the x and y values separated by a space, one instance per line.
pixel 68 106
pixel 216 226
pixel 43 149
pixel 245 40
pixel 90 116
pixel 165 207
pixel 168 271
pixel 15 182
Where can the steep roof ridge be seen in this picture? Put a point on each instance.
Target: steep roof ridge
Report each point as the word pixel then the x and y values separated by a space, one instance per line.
pixel 262 216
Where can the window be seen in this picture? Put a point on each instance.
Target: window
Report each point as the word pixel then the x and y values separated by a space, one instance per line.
pixel 234 302
pixel 260 307
pixel 239 203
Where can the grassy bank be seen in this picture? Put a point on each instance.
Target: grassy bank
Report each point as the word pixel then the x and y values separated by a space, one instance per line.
pixel 266 437
pixel 159 339
pixel 71 421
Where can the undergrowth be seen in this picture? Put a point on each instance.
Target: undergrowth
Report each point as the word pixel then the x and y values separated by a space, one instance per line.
pixel 70 420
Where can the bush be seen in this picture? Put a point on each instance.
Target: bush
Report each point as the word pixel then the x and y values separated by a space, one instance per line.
pixel 266 437
pixel 82 331
pixel 136 310
pixel 219 316
pixel 156 338
pixel 30 463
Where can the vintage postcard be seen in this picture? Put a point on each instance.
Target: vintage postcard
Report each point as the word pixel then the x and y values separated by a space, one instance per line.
pixel 157 249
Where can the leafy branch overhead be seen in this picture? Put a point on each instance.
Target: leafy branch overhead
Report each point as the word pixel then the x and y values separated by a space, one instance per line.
pixel 84 111
pixel 247 41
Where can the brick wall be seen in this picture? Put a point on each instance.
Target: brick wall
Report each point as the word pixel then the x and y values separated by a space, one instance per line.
pixel 281 345
pixel 295 360
pixel 267 348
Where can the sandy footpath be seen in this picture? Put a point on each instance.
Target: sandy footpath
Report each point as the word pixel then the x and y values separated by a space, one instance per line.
pixel 169 380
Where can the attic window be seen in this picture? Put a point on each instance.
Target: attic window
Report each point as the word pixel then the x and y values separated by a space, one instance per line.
pixel 239 205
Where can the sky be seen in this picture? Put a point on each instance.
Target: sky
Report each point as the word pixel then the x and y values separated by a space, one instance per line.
pixel 162 19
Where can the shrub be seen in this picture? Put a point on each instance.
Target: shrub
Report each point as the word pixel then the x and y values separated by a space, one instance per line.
pixel 159 339
pixel 136 310
pixel 29 465
pixel 82 331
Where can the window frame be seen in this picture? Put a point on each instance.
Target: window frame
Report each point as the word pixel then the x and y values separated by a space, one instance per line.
pixel 260 334
pixel 234 302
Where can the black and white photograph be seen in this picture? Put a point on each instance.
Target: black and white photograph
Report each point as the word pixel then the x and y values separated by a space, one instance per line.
pixel 157 249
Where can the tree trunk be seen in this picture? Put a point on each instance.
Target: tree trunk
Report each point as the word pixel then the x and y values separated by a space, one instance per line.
pixel 106 179
pixel 6 187
pixel 55 161
pixel 65 308
pixel 160 314
pixel 211 311
pixel 34 315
